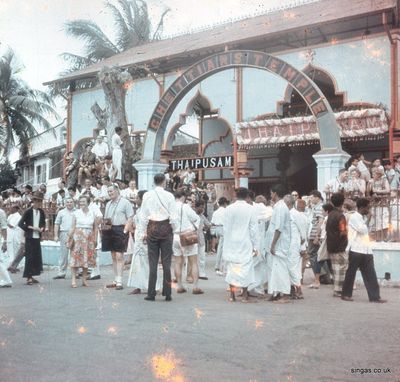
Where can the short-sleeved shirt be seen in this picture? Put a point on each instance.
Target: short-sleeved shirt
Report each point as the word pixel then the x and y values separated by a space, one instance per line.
pixel 64 219
pixel 119 211
pixel 317 216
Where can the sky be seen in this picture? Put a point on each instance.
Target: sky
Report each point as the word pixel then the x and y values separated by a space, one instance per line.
pixel 34 28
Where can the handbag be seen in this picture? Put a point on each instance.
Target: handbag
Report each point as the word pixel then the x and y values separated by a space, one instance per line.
pixel 106 223
pixel 323 254
pixel 70 243
pixel 188 237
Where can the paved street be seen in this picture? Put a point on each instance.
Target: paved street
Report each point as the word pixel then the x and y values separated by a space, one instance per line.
pixel 50 332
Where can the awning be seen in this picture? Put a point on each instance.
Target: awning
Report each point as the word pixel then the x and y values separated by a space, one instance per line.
pixel 353 124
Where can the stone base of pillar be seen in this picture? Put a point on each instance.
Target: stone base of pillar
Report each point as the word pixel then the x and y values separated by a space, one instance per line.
pixel 328 166
pixel 146 171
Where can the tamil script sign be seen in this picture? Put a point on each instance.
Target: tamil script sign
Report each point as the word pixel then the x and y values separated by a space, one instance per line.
pixel 201 163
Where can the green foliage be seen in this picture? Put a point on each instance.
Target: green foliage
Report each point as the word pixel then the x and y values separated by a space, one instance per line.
pixel 132 28
pixel 22 108
pixel 8 177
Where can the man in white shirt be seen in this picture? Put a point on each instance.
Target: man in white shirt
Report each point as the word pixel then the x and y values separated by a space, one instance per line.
pixel 240 243
pixel 100 148
pixel 217 223
pixel 189 177
pixel 337 184
pixel 62 226
pixel 159 222
pixel 360 255
pixel 278 244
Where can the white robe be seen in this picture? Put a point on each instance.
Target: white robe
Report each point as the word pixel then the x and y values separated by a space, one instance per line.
pixel 240 238
pixel 278 272
pixel 5 278
pixel 139 270
pixel 298 233
pixel 263 214
pixel 116 143
pixel 15 236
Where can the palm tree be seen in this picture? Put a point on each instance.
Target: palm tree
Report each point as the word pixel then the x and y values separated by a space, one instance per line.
pixel 22 109
pixel 132 28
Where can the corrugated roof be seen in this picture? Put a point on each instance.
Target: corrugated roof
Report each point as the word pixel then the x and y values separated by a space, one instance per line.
pixel 268 26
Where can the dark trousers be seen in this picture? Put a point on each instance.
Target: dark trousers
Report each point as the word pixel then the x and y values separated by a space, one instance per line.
pixel 365 263
pixel 159 243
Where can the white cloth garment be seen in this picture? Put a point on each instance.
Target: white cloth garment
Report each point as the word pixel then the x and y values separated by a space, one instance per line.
pixel 278 272
pixel 139 270
pixel 263 214
pixel 5 278
pixel 36 220
pixel 298 234
pixel 358 234
pixel 15 236
pixel 116 143
pixel 240 239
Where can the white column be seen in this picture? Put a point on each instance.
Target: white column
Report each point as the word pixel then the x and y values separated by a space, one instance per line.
pixel 146 171
pixel 328 166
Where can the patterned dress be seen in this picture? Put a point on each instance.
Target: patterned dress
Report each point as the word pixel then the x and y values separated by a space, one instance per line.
pixel 83 251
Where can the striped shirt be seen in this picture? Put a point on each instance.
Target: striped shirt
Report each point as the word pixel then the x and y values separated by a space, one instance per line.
pixel 317 216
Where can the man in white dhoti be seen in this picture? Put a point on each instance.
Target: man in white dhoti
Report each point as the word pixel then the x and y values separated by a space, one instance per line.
pixel 139 270
pixel 240 243
pixel 116 144
pixel 278 244
pixel 217 222
pixel 298 240
pixel 5 280
pixel 263 214
pixel 15 235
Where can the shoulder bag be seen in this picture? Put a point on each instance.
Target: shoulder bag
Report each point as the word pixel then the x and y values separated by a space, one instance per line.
pixel 188 237
pixel 106 223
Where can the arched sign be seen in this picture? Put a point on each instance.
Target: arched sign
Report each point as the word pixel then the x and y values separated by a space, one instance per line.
pixel 326 122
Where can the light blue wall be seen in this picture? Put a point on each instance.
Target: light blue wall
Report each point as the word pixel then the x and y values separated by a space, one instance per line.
pixel 361 69
pixel 83 120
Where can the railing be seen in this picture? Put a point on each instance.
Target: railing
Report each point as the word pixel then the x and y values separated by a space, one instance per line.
pixel 51 210
pixel 384 223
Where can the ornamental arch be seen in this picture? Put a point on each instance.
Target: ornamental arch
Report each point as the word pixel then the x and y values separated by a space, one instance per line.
pixel 309 91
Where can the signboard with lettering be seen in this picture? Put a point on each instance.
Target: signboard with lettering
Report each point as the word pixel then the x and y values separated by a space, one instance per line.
pixel 201 163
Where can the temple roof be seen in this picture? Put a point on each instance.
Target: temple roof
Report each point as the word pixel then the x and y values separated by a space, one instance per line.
pixel 324 21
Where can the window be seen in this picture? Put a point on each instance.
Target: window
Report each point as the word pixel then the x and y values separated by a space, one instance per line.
pixel 41 173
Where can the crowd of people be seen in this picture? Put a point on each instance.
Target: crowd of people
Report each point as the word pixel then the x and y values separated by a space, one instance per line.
pixel 262 247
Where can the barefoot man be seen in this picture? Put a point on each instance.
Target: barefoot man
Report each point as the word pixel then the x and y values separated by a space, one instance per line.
pixel 240 243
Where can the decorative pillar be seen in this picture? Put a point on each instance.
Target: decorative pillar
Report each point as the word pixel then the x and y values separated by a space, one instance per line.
pixel 166 156
pixel 328 166
pixel 241 169
pixel 146 170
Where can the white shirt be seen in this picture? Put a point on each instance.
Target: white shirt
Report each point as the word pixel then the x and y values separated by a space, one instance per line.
pixel 187 218
pixel 100 150
pixel 189 178
pixel 64 219
pixel 3 219
pixel 159 205
pixel 358 234
pixel 218 216
pixel 116 142
pixel 36 221
pixel 128 193
pixel 240 232
pixel 335 185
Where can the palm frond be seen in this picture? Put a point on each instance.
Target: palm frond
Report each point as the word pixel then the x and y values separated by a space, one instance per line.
pixel 92 36
pixel 157 33
pixel 123 34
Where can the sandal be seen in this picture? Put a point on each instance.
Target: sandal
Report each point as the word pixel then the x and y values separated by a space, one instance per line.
pixel 112 285
pixel 73 285
pixel 181 290
pixel 313 286
pixel 29 282
pixel 198 291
